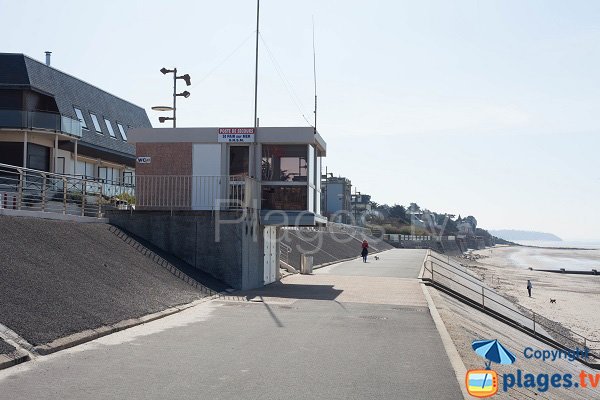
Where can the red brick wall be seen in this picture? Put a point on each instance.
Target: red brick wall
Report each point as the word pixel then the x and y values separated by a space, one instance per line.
pixel 167 158
pixel 155 192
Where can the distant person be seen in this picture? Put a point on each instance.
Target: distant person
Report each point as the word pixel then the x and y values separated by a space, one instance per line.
pixel 529 286
pixel 365 250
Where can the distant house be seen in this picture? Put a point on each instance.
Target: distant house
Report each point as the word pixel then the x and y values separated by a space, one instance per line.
pixel 54 122
pixel 336 198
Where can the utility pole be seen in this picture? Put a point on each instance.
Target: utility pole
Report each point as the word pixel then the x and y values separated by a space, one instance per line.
pixel 256 68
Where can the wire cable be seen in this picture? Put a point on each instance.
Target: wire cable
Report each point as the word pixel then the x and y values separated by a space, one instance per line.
pixel 286 83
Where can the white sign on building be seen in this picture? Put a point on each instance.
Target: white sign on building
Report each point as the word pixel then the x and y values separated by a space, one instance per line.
pixel 144 160
pixel 236 135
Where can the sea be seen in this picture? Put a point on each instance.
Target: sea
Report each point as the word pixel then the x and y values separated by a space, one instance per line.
pixel 565 256
pixel 595 244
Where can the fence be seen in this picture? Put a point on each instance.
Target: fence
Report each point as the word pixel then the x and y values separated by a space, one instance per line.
pixel 186 192
pixel 450 276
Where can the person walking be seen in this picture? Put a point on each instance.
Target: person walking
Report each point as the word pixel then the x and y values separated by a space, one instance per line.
pixel 529 286
pixel 365 250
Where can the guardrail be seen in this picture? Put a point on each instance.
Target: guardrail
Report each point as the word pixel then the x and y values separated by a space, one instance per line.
pixel 284 252
pixel 186 192
pixel 19 119
pixel 450 276
pixel 32 190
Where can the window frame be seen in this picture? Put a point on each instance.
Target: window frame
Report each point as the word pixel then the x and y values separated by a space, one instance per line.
pixel 109 128
pixel 96 123
pixel 122 132
pixel 82 119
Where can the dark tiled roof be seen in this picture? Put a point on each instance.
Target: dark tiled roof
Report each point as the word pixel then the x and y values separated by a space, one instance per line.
pixel 13 70
pixel 70 92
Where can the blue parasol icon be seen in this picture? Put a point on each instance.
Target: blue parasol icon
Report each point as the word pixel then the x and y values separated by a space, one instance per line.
pixel 493 351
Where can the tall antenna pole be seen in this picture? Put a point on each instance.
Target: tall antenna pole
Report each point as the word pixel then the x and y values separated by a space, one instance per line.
pixel 256 67
pixel 314 71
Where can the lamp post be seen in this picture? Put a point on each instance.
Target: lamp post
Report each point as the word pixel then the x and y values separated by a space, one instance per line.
pixel 185 94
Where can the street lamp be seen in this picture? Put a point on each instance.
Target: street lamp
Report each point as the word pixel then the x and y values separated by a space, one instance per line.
pixel 185 94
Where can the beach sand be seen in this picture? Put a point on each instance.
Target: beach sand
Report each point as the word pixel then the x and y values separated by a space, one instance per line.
pixel 577 307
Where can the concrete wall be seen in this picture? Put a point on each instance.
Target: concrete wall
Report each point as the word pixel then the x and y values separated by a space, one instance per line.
pixel 236 257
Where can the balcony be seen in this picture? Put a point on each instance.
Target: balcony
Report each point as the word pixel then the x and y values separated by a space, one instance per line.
pixel 40 121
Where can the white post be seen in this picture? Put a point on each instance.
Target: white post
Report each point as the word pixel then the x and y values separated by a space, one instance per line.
pixel 75 166
pixel 25 149
pixel 56 154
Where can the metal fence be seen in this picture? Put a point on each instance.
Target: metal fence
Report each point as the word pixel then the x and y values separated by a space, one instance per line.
pixel 447 274
pixel 186 192
pixel 33 190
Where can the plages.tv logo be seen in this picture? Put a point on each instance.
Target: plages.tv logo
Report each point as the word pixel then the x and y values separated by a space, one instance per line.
pixel 484 382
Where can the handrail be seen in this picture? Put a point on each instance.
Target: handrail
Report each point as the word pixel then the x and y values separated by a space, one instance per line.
pixel 26 189
pixel 197 192
pixel 479 291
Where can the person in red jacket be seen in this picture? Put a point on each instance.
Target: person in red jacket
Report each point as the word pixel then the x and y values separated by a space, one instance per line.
pixel 365 250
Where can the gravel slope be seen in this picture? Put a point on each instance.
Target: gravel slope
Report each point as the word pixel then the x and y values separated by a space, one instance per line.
pixel 58 278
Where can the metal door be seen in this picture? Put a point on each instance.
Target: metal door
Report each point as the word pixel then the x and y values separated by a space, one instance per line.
pixel 270 246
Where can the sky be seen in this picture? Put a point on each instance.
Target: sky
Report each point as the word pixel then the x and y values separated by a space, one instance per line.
pixel 484 108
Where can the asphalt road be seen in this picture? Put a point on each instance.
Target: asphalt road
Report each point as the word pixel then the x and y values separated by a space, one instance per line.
pixel 309 337
pixel 397 263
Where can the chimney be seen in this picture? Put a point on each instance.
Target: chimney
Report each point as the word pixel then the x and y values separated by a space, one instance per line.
pixel 48 53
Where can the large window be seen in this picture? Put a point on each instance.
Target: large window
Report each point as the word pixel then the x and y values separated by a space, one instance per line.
pixel 287 163
pixel 85 169
pixel 96 123
pixel 110 128
pixel 80 117
pixel 293 198
pixel 239 160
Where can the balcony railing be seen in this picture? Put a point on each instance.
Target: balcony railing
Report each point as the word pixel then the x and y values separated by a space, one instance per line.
pixel 39 120
pixel 221 192
pixel 32 190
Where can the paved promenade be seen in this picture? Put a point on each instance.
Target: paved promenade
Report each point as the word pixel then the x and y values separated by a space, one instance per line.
pixel 350 331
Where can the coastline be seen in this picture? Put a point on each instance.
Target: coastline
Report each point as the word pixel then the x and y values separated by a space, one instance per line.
pixel 576 297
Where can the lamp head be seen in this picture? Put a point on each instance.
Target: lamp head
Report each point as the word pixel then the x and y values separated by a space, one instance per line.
pixel 187 78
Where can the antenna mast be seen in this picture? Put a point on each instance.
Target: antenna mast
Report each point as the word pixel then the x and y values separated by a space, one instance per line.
pixel 314 70
pixel 256 67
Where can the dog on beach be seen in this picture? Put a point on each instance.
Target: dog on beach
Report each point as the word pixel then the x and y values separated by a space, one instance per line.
pixel 376 257
pixel 552 300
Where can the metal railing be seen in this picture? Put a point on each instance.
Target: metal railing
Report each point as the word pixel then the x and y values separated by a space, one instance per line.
pixel 41 120
pixel 185 192
pixel 33 190
pixel 284 252
pixel 447 274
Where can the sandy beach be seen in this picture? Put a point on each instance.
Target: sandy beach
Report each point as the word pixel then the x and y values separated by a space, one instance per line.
pixel 577 306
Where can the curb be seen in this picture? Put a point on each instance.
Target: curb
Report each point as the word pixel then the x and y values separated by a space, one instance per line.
pixel 93 334
pixel 7 361
pixel 455 360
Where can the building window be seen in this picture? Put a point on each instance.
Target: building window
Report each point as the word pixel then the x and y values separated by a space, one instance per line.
pixel 239 160
pixel 110 128
pixel 96 123
pixel 80 117
pixel 85 169
pixel 291 198
pixel 122 131
pixel 286 163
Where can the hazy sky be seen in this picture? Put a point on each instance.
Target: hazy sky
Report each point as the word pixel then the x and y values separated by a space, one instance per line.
pixel 487 108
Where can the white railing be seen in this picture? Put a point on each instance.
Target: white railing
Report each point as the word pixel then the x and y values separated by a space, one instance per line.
pixel 185 192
